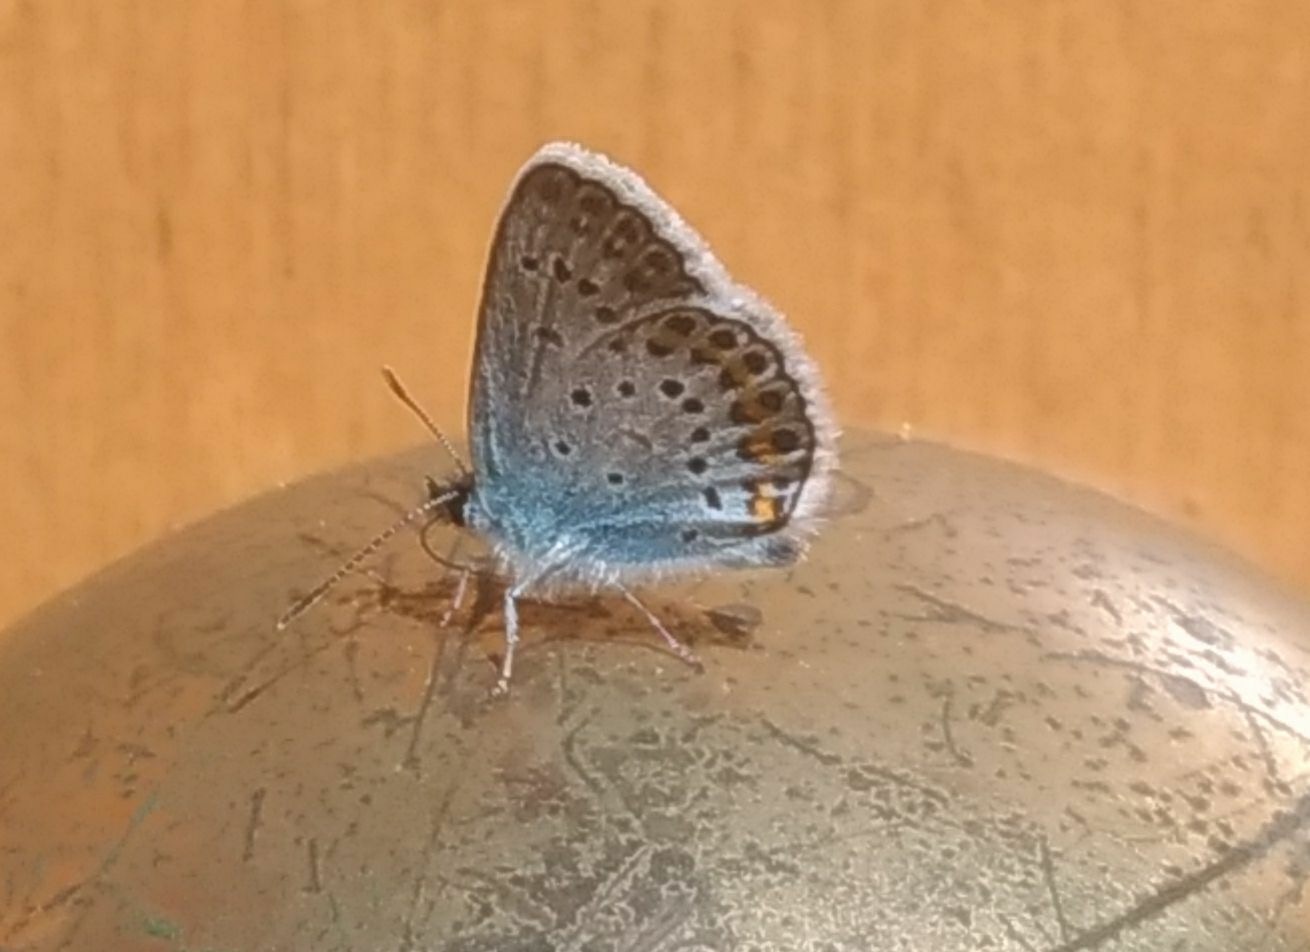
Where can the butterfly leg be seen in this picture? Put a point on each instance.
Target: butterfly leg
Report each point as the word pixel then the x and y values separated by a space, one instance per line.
pixel 450 563
pixel 511 640
pixel 461 587
pixel 558 559
pixel 676 646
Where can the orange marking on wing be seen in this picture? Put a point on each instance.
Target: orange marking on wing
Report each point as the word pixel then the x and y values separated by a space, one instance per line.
pixel 765 505
pixel 738 373
pixel 748 409
pixel 758 447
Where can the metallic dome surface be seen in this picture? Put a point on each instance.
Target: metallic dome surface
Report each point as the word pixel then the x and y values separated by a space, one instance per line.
pixel 992 711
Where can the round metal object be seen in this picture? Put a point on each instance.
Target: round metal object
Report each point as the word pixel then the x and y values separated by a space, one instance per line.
pixel 992 711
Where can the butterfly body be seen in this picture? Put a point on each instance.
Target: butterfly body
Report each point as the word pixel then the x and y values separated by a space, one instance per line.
pixel 634 414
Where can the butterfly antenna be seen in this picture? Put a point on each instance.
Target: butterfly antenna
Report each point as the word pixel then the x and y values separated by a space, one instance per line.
pixel 403 396
pixel 315 596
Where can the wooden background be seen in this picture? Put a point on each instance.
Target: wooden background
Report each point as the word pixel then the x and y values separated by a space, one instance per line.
pixel 1076 233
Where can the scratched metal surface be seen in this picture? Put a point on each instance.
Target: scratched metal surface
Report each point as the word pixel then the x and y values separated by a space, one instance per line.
pixel 992 712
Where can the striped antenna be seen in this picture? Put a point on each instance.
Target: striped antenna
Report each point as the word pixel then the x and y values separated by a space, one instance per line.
pixel 315 596
pixel 403 396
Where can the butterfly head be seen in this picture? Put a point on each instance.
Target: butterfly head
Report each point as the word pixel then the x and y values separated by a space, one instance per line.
pixel 457 492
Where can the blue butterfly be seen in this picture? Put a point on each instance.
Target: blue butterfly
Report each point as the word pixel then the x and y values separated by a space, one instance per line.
pixel 635 415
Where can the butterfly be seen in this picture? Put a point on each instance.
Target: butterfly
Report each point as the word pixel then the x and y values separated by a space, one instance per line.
pixel 635 415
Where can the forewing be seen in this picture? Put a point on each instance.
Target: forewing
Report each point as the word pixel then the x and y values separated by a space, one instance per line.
pixel 570 259
pixel 624 391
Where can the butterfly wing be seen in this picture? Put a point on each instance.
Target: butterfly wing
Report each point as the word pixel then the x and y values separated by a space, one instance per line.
pixel 569 259
pixel 628 400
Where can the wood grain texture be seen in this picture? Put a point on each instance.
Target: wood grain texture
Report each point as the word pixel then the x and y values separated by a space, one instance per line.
pixel 1072 233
